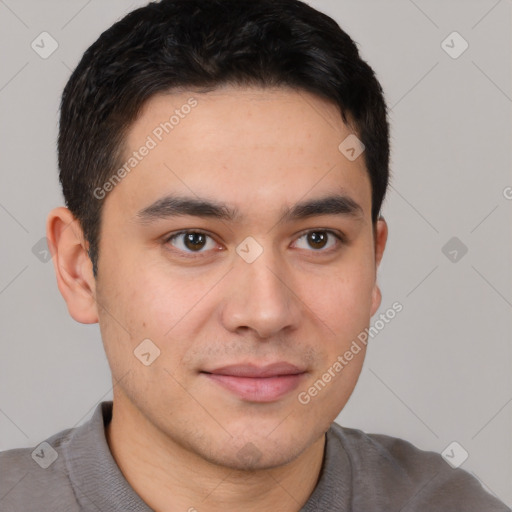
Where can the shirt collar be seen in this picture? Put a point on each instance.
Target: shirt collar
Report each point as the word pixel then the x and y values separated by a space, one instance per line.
pixel 96 478
pixel 100 485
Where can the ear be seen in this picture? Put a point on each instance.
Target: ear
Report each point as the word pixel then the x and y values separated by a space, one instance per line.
pixel 72 264
pixel 380 239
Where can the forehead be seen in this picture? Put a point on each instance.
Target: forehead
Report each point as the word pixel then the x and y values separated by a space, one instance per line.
pixel 244 144
pixel 242 112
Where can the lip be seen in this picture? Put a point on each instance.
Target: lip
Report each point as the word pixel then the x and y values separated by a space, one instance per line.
pixel 258 383
pixel 252 370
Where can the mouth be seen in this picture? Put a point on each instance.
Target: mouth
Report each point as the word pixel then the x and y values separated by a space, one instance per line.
pixel 258 383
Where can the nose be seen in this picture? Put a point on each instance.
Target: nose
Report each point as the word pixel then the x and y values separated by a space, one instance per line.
pixel 261 298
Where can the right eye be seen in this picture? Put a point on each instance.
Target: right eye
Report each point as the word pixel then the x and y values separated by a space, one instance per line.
pixel 191 241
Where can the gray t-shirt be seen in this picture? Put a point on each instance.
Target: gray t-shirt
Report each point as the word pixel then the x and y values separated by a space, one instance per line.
pixel 75 471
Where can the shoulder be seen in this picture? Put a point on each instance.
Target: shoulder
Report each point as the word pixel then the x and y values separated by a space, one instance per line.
pixel 36 478
pixel 391 471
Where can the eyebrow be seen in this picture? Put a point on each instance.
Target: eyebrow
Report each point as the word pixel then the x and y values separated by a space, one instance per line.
pixel 174 206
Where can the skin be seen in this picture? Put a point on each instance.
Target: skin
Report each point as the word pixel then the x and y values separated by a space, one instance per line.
pixel 176 435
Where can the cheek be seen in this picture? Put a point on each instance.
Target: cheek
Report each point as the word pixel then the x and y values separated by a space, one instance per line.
pixel 343 303
pixel 145 307
pixel 156 306
pixel 342 297
pixel 169 308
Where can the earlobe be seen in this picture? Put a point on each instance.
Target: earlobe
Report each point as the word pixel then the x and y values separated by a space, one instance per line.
pixel 73 267
pixel 376 299
pixel 381 236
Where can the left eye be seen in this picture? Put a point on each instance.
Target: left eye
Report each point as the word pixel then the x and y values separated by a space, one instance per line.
pixel 319 239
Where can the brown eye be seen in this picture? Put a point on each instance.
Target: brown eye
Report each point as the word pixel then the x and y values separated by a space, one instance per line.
pixel 319 240
pixel 194 241
pixel 191 241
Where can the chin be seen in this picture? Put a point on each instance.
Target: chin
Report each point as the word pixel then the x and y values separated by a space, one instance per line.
pixel 250 458
pixel 253 452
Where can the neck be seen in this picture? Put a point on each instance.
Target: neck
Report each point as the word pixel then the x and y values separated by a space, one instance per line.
pixel 169 477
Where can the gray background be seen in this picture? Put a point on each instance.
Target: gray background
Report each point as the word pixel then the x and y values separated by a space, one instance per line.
pixel 441 370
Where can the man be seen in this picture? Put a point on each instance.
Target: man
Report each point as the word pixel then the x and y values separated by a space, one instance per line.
pixel 224 164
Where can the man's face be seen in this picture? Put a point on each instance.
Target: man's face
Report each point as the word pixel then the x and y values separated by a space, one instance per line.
pixel 290 293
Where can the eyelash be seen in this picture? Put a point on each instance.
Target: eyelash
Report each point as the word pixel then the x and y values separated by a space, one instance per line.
pixel 340 237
